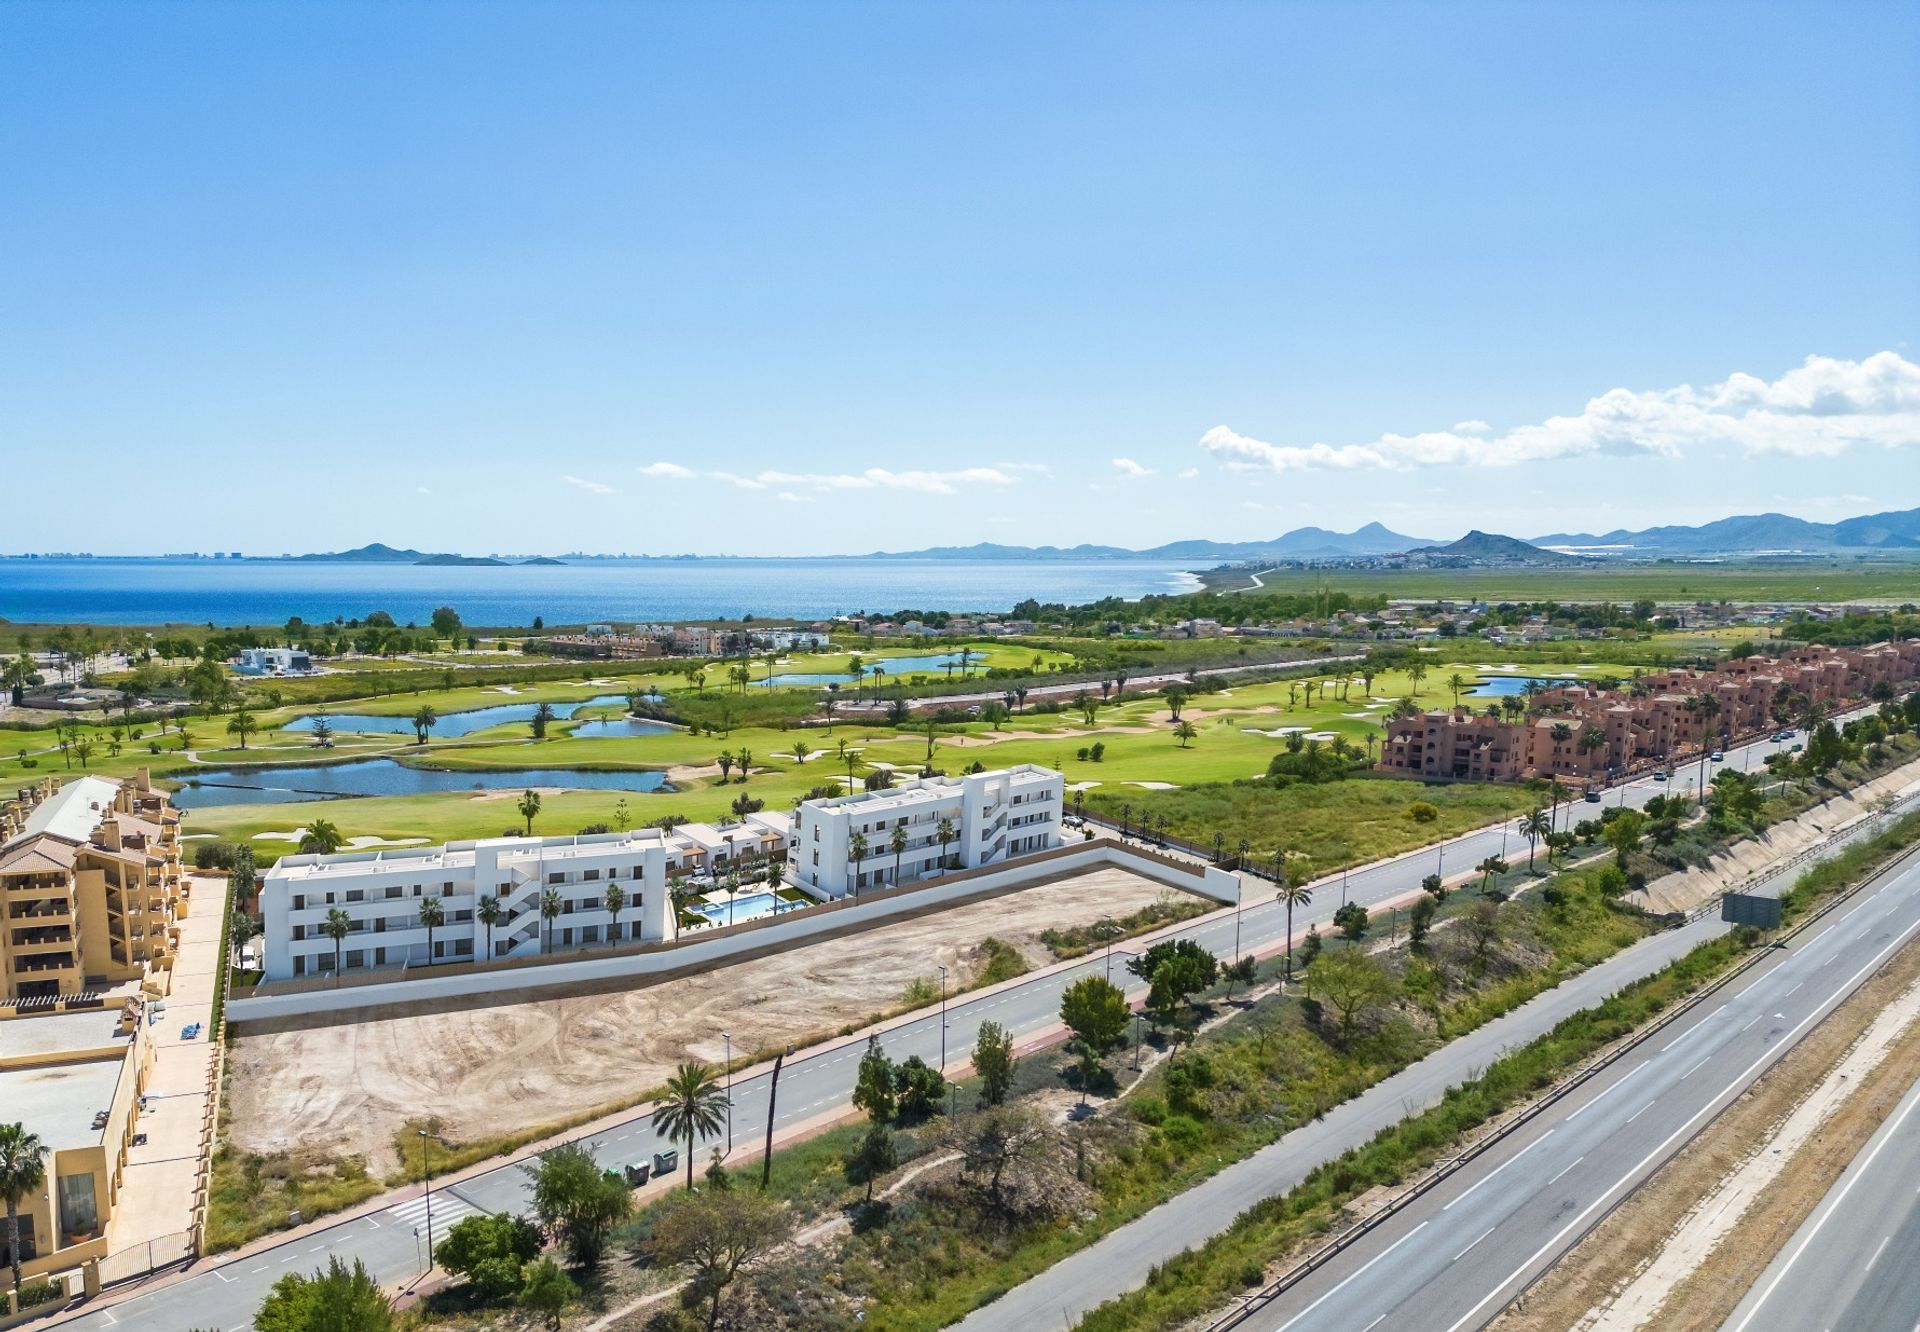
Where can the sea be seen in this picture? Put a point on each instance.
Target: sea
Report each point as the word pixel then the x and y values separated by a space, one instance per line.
pixel 158 590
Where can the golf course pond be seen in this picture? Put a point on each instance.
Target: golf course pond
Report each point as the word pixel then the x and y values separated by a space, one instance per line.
pixel 273 784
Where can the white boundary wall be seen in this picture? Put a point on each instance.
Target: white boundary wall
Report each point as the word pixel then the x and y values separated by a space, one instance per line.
pixel 699 951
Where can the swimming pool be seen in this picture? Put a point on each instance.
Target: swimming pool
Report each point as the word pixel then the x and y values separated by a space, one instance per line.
pixel 747 906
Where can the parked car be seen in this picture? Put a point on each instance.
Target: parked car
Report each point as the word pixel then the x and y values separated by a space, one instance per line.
pixel 1592 797
pixel 1716 757
pixel 1660 775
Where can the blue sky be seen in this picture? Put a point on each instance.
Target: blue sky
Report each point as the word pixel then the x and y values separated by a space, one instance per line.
pixel 276 277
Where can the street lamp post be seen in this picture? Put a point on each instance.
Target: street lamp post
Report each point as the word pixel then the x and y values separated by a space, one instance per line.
pixel 1105 919
pixel 426 1169
pixel 1239 900
pixel 943 1020
pixel 727 1074
pixel 1136 1042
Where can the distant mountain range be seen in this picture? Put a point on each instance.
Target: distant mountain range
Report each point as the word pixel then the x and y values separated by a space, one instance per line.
pixel 1755 533
pixel 1303 543
pixel 1489 548
pixel 380 553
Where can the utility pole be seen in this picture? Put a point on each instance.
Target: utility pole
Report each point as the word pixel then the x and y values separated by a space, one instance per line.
pixel 773 1091
pixel 426 1169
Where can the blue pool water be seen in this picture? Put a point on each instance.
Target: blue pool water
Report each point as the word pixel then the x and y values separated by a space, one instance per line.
pixel 475 719
pixel 748 906
pixel 272 784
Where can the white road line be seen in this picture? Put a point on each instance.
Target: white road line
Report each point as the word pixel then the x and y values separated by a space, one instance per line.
pixel 1876 1254
pixel 223 1276
pixel 1755 1018
pixel 1469 1249
pixel 1695 1069
pixel 255 1271
pixel 1343 1285
pixel 1790 993
pixel 1746 1075
pixel 1641 1111
pixel 1603 1095
pixel 1487 1179
pixel 1564 1169
pixel 1693 1030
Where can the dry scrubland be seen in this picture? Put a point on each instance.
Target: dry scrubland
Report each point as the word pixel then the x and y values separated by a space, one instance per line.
pixel 344 1090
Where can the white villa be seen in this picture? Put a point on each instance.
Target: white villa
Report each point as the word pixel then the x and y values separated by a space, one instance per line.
pixel 991 816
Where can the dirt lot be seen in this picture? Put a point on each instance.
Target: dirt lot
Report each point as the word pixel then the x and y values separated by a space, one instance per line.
pixel 345 1089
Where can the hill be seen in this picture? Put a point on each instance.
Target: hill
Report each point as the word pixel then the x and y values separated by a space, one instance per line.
pixel 1756 533
pixel 1490 548
pixel 1301 543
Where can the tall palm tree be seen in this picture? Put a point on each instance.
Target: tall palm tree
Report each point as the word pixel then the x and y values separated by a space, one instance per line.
pixel 1457 683
pixel 1533 827
pixel 541 716
pixel 898 844
pixel 488 912
pixel 616 899
pixel 23 1170
pixel 425 720
pixel 243 725
pixel 693 1107
pixel 1294 892
pixel 529 806
pixel 337 927
pixel 849 756
pixel 946 832
pixel 1416 672
pixel 857 850
pixel 433 914
pixel 552 905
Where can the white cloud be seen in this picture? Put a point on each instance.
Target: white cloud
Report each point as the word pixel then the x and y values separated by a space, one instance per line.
pixel 666 470
pixel 788 497
pixel 1129 468
pixel 421 490
pixel 1188 473
pixel 595 486
pixel 873 478
pixel 744 482
pixel 1820 409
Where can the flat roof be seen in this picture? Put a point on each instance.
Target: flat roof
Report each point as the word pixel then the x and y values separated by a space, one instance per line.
pixel 59 1102
pixel 72 812
pixel 50 1033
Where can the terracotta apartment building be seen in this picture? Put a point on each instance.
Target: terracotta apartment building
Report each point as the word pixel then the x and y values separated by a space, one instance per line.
pixel 90 887
pixel 1583 732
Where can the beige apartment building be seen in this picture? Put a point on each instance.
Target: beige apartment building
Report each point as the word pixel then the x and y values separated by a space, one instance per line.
pixel 1584 732
pixel 90 888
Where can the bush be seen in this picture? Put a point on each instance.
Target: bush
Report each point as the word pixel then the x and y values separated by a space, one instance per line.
pixel 41 1292
pixel 491 1252
pixel 214 855
pixel 1421 811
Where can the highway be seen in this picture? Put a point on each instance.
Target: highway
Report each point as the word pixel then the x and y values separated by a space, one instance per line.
pixel 225 1294
pixel 1455 1256
pixel 1852 1262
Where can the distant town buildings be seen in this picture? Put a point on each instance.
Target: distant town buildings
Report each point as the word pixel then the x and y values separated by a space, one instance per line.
pixel 273 661
pixel 1586 732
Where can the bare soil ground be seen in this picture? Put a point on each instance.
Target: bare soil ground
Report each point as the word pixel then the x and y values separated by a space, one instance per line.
pixel 344 1090
pixel 1577 1293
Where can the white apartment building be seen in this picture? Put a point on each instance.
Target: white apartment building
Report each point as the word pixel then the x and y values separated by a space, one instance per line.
pixel 381 893
pixel 273 661
pixel 993 816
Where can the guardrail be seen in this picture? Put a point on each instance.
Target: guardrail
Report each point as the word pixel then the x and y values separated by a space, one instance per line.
pixel 1573 1082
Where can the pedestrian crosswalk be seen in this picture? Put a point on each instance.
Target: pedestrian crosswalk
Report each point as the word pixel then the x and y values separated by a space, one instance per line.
pixel 447 1209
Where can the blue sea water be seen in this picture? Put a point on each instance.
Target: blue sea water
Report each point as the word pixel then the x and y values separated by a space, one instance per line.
pixel 267 592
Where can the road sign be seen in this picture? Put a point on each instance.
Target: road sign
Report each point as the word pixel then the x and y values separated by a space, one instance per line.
pixel 1763 913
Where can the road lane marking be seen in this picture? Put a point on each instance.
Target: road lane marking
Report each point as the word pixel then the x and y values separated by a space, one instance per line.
pixel 1790 993
pixel 1603 1095
pixel 1695 1069
pixel 1469 1249
pixel 1693 1030
pixel 223 1276
pixel 1877 1252
pixel 1564 1169
pixel 1641 1111
pixel 1755 1018
pixel 1486 1179
pixel 1343 1285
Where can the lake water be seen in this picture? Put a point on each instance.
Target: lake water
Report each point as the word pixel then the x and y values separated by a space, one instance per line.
pixel 266 592
pixel 479 719
pixel 898 669
pixel 1507 686
pixel 274 784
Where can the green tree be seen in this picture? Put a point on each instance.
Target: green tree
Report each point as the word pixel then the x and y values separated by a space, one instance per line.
pixel 873 1089
pixel 1622 833
pixel 946 832
pixel 1534 826
pixel 1352 981
pixel 616 900
pixel 490 1252
pixel 322 837
pixel 23 1170
pixel 529 806
pixel 871 1157
pixel 552 906
pixel 433 914
pixel 693 1107
pixel 1185 732
pixel 994 1061
pixel 918 1087
pixel 489 913
pixel 576 1202
pixel 424 720
pixel 857 852
pixel 898 845
pixel 340 1299
pixel 337 927
pixel 242 724
pixel 446 621
pixel 542 716
pixel 716 1233
pixel 1095 1011
pixel 547 1292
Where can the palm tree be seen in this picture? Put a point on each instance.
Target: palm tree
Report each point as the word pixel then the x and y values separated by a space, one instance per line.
pixel 23 1170
pixel 1219 847
pixel 1294 892
pixel 898 844
pixel 1533 827
pixel 551 907
pixel 849 756
pixel 945 831
pixel 1416 672
pixel 488 912
pixel 242 725
pixel 433 915
pixel 541 716
pixel 1456 682
pixel 692 1107
pixel 338 926
pixel 322 837
pixel 1185 732
pixel 529 806
pixel 425 720
pixel 616 899
pixel 800 751
pixel 857 849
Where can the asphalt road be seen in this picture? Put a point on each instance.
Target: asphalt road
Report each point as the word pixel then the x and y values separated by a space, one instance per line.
pixel 224 1296
pixel 1851 1264
pixel 1453 1258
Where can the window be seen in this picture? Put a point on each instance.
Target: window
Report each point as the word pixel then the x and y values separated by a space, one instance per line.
pixel 556 878
pixel 592 874
pixel 299 901
pixel 28 1249
pixel 393 891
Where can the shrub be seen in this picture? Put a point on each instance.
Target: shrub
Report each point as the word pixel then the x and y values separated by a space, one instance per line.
pixel 1421 811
